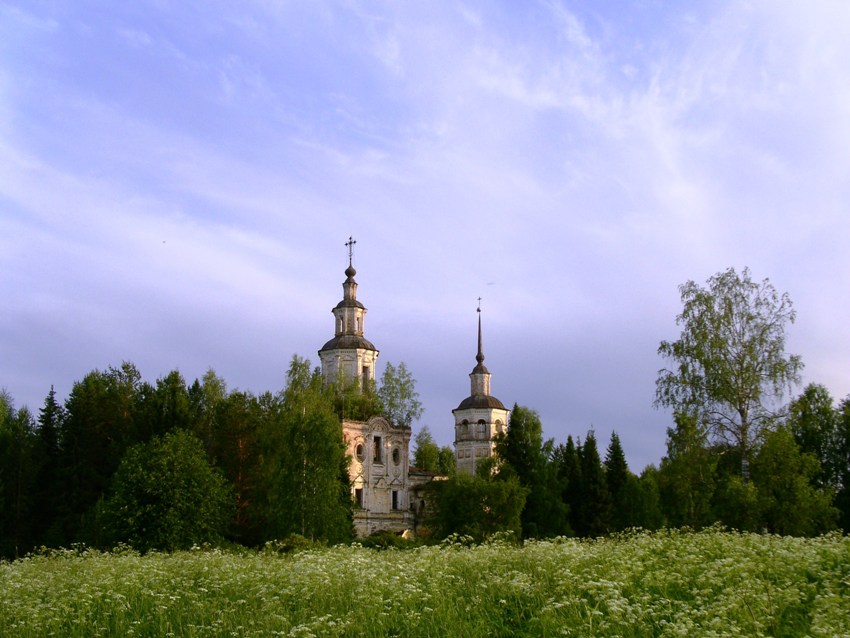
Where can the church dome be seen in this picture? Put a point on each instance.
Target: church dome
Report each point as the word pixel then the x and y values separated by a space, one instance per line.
pixel 478 401
pixel 347 342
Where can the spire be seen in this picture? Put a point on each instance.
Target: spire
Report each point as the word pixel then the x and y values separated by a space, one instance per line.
pixel 480 356
pixel 480 369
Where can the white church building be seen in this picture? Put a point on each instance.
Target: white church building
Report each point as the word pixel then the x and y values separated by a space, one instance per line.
pixel 388 494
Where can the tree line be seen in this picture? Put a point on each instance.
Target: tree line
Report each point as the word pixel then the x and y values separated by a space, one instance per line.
pixel 170 464
pixel 737 454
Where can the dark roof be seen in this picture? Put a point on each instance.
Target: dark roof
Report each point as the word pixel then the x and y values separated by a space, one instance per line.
pixel 350 303
pixel 480 401
pixel 348 341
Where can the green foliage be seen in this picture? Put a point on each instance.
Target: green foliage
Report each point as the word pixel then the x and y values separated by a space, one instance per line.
pixel 637 585
pixel 426 452
pixel 594 515
pixel 386 540
pixel 166 496
pixel 17 478
pixel 477 507
pixel 309 493
pixel 521 452
pixel 398 395
pixel 788 501
pixel 687 476
pixel 842 498
pixel 729 363
pixel 814 422
pixel 621 485
pixel 447 463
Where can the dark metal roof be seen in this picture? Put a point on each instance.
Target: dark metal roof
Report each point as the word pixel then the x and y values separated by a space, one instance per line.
pixel 350 303
pixel 347 342
pixel 480 401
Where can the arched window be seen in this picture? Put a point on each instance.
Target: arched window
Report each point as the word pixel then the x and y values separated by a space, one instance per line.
pixel 358 452
pixel 396 456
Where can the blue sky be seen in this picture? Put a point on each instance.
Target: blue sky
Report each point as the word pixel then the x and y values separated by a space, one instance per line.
pixel 178 180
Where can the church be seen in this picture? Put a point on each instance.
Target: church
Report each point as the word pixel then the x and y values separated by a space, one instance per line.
pixel 389 494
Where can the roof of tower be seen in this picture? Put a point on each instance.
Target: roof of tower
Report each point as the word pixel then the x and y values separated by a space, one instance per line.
pixel 480 401
pixel 350 303
pixel 348 342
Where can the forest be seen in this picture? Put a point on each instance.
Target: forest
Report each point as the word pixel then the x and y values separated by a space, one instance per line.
pixel 170 464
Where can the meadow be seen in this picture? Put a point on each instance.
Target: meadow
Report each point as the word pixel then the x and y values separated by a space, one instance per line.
pixel 669 583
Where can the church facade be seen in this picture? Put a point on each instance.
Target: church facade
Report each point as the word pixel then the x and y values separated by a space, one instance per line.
pixel 389 494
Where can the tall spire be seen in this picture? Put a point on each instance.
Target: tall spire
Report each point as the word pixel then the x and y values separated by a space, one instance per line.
pixel 480 369
pixel 480 356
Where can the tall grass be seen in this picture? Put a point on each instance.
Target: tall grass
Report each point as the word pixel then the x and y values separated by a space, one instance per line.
pixel 711 583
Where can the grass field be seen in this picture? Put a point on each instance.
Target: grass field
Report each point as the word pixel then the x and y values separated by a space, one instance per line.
pixel 711 583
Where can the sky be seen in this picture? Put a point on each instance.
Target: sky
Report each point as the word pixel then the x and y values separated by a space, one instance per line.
pixel 178 181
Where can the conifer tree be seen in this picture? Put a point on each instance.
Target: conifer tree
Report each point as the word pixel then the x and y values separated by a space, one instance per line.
pixel 522 453
pixel 594 508
pixel 617 477
pixel 46 460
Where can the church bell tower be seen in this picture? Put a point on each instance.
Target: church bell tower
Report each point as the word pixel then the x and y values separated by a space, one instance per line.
pixel 349 356
pixel 479 417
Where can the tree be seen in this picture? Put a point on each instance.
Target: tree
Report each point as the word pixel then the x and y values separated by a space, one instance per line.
pixel 594 505
pixel 686 478
pixel 842 497
pixel 46 460
pixel 447 463
pixel 98 428
pixel 788 501
pixel 620 488
pixel 814 422
pixel 426 453
pixel 17 478
pixel 399 396
pixel 522 452
pixel 568 459
pixel 476 506
pixel 204 398
pixel 310 493
pixel 165 496
pixel 729 363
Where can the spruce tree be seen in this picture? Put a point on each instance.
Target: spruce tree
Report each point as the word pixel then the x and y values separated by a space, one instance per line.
pixel 594 515
pixel 617 477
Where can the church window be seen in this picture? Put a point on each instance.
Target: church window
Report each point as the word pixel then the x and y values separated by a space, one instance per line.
pixel 357 324
pixel 366 371
pixel 358 452
pixel 396 456
pixel 378 456
pixel 358 497
pixel 395 499
pixel 482 424
pixel 499 427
